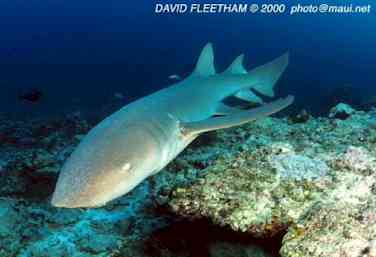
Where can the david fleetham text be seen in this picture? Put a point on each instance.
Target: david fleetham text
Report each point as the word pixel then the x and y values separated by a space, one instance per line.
pixel 201 8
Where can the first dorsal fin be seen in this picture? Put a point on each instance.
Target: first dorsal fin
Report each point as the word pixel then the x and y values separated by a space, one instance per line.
pixel 236 66
pixel 205 63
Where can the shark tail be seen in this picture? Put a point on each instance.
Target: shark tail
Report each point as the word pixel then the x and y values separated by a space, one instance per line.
pixel 236 78
pixel 262 79
pixel 267 75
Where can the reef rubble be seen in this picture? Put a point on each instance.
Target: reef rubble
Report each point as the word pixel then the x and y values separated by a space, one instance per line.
pixel 316 181
pixel 313 182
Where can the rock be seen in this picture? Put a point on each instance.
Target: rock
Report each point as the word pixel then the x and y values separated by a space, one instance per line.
pixel 299 167
pixel 9 227
pixel 317 179
pixel 302 117
pixel 83 240
pixel 356 159
pixel 341 111
pixel 226 249
pixel 8 217
pixel 341 225
pixel 254 195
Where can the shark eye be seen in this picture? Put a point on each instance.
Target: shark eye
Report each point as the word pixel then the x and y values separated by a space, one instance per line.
pixel 126 167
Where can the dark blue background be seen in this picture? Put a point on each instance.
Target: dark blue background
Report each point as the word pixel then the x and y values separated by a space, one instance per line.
pixel 79 53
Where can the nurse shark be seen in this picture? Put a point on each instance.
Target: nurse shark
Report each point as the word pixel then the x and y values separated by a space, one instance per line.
pixel 141 138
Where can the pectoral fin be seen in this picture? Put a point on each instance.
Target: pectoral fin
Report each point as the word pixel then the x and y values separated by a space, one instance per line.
pixel 192 128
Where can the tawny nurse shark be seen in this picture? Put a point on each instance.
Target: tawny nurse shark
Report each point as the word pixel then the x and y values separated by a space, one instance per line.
pixel 144 136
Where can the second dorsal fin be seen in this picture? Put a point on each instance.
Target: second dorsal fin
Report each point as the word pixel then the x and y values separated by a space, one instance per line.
pixel 236 66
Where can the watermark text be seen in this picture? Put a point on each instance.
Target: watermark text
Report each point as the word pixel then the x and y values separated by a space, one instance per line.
pixel 253 8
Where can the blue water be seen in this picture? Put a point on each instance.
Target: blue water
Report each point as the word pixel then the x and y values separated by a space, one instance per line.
pixel 79 53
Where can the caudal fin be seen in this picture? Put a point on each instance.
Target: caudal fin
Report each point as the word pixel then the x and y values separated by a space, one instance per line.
pixel 236 67
pixel 267 75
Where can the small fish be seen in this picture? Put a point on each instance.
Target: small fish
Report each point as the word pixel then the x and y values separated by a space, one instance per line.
pixel 174 77
pixel 32 96
pixel 119 95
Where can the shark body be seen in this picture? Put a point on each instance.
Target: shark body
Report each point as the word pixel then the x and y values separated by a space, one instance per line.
pixel 144 136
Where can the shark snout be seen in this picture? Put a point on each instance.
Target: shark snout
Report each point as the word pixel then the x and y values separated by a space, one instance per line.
pixel 77 201
pixel 63 203
pixel 69 194
pixel 59 199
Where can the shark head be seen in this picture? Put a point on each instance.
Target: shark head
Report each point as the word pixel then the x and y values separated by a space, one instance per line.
pixel 109 162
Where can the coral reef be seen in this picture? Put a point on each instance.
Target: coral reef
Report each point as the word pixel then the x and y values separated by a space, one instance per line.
pixel 341 111
pixel 315 181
